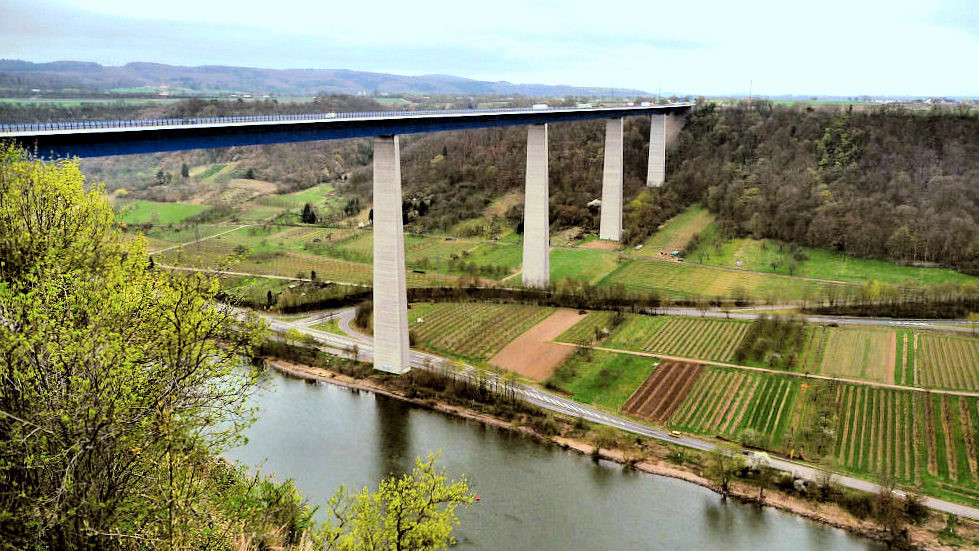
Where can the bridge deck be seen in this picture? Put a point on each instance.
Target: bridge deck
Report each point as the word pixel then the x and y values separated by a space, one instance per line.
pixel 103 138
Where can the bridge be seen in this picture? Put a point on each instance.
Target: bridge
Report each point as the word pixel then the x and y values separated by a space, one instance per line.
pixel 106 138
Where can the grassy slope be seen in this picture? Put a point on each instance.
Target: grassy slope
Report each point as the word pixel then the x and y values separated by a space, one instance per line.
pixel 141 212
pixel 587 264
pixel 761 254
pixel 677 232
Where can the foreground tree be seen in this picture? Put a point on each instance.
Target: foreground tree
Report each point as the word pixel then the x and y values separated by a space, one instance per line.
pixel 117 383
pixel 415 511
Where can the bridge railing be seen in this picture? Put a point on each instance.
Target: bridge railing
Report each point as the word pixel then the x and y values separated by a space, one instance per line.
pixel 149 123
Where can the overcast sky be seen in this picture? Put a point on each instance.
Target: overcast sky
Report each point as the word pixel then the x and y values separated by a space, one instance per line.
pixel 835 47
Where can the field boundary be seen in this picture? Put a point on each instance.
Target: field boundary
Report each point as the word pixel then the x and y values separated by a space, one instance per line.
pixel 873 384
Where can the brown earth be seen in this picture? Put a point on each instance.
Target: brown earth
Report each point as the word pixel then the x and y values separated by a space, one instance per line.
pixel 601 245
pixel 663 391
pixel 532 354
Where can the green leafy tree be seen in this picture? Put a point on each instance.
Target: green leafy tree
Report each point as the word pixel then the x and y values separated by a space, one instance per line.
pixel 416 511
pixel 117 383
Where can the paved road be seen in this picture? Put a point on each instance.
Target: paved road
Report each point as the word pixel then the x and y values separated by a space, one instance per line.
pixel 755 312
pixel 343 345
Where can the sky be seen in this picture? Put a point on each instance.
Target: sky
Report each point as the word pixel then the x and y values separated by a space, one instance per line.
pixel 708 47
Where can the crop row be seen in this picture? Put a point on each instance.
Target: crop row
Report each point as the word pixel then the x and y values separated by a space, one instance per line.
pixel 475 330
pixel 914 437
pixel 663 391
pixel 217 254
pixel 682 280
pixel 728 402
pixel 858 353
pixel 705 339
pixel 876 431
pixel 947 362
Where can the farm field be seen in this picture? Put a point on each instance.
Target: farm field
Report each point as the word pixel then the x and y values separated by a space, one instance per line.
pixel 663 391
pixel 726 402
pixel 146 212
pixel 947 362
pixel 532 354
pixel 683 280
pixel 601 378
pixel 216 253
pixel 915 437
pixel 677 232
pixel 586 264
pixel 583 332
pixel 702 339
pixel 474 331
pixel 849 352
pixel 761 254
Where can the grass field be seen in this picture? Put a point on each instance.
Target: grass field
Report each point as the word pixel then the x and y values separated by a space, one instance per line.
pixel 145 212
pixel 321 197
pixel 702 339
pixel 584 264
pixel 684 280
pixel 727 402
pixel 602 378
pixel 677 232
pixel 849 352
pixel 473 331
pixel 762 254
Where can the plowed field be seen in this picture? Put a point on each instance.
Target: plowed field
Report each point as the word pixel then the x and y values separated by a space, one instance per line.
pixel 663 391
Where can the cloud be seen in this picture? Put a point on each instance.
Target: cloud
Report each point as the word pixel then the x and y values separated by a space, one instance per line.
pixel 834 47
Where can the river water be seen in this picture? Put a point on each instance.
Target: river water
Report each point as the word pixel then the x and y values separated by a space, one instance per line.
pixel 534 495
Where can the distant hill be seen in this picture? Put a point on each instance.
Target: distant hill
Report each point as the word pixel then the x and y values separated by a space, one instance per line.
pixel 17 75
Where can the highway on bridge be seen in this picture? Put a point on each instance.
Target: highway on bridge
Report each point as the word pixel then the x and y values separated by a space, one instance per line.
pixel 103 138
pixel 344 345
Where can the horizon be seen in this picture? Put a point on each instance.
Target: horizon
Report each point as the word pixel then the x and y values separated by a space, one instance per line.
pixel 761 50
pixel 796 95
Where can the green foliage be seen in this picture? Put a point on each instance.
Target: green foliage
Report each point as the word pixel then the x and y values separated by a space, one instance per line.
pixel 416 511
pixel 118 382
pixel 773 341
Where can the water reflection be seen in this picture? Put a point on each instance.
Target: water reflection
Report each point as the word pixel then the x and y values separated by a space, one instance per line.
pixel 393 437
pixel 534 496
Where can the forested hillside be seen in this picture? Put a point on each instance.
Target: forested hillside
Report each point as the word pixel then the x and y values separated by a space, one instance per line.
pixel 887 183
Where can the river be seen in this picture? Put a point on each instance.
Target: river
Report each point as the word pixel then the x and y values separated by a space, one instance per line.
pixel 534 495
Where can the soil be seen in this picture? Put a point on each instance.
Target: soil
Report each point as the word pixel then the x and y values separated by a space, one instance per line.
pixel 532 354
pixel 601 245
pixel 658 398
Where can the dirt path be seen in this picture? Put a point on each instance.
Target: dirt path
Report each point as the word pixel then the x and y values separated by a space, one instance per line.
pixel 533 354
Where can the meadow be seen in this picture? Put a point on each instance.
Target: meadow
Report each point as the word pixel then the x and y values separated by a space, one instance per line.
pixel 152 212
pixel 677 232
pixel 765 255
pixel 689 281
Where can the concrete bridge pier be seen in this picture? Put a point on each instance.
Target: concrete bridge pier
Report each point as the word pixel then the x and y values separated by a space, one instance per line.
pixel 390 288
pixel 611 221
pixel 536 218
pixel 656 171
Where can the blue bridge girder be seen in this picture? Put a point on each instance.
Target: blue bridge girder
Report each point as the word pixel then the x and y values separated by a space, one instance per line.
pixel 107 138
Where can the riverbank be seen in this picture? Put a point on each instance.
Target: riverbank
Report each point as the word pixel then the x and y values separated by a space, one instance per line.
pixel 647 456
